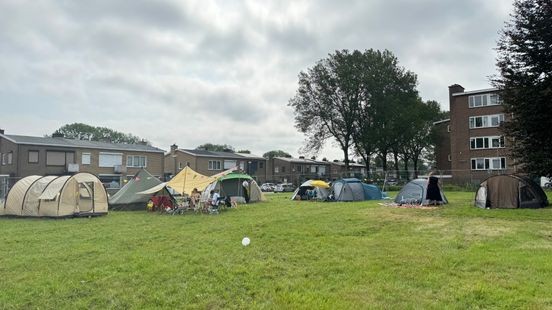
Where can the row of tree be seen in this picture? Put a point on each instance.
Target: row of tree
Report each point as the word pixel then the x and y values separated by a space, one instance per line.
pixel 82 131
pixel 368 105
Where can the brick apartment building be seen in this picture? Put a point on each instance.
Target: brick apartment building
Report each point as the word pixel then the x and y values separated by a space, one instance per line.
pixel 477 147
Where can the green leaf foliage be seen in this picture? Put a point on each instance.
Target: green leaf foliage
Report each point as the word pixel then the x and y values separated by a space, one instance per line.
pixel 525 66
pixel 216 147
pixel 82 131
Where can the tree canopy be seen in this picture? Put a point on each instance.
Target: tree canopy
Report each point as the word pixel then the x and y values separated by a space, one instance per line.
pixel 525 82
pixel 276 153
pixel 82 131
pixel 364 102
pixel 216 147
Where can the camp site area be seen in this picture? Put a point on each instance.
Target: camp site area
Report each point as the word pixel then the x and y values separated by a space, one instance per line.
pixel 303 254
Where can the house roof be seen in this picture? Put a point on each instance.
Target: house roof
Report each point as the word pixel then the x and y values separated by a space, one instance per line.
pixel 302 160
pixel 204 153
pixel 73 143
pixel 473 92
pixel 342 163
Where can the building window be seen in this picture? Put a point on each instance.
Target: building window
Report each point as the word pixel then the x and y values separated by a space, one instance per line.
pixel 483 100
pixel 110 181
pixel 299 168
pixel 486 121
pixel 3 159
pixel 179 165
pixel 136 161
pixel 110 159
pixel 493 142
pixel 33 157
pixel 229 164
pixel 86 158
pixel 214 165
pixel 276 169
pixel 449 158
pixel 261 165
pixel 54 158
pixel 10 158
pixel 283 169
pixel 492 163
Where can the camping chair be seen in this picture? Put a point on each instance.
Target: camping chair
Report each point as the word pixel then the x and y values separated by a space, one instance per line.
pixel 213 207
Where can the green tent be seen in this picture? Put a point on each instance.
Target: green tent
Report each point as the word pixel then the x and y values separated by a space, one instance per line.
pixel 128 199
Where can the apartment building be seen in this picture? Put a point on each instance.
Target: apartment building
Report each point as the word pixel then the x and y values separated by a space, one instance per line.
pixel 210 163
pixel 478 148
pixel 113 163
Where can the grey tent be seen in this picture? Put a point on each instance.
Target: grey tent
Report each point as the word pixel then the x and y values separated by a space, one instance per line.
pixel 414 192
pixel 351 189
pixel 510 192
pixel 127 198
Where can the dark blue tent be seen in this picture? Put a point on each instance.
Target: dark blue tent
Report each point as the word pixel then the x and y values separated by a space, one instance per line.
pixel 352 189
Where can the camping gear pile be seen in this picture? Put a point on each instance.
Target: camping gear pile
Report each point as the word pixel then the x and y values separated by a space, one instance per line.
pixel 81 194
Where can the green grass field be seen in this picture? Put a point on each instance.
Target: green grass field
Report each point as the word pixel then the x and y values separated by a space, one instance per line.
pixel 302 255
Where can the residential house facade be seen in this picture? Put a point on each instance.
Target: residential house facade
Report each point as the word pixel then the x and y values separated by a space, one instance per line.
pixel 113 163
pixel 210 163
pixel 339 171
pixel 478 148
pixel 297 170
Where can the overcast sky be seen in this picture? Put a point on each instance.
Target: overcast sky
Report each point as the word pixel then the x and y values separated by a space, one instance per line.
pixel 191 72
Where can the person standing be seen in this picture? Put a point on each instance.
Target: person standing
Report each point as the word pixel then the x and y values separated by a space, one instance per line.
pixel 433 193
pixel 245 186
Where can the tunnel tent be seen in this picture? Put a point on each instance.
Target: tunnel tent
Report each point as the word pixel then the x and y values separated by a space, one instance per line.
pixel 352 189
pixel 231 185
pixel 318 189
pixel 414 192
pixel 129 197
pixel 510 192
pixel 81 194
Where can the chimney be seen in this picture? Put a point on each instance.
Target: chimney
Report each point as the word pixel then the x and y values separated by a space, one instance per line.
pixel 453 89
pixel 143 142
pixel 301 157
pixel 174 147
pixel 57 135
pixel 313 158
pixel 1 131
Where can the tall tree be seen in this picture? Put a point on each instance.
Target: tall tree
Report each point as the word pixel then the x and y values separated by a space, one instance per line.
pixel 276 153
pixel 82 131
pixel 216 147
pixel 525 65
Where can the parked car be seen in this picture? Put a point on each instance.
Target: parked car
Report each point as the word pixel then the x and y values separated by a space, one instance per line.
pixel 392 181
pixel 284 187
pixel 267 187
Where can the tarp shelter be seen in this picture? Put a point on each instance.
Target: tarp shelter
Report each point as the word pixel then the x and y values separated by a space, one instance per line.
pixel 81 194
pixel 510 192
pixel 414 192
pixel 352 189
pixel 231 185
pixel 127 198
pixel 318 190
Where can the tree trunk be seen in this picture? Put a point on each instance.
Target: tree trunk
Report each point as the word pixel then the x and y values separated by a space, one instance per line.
pixel 406 168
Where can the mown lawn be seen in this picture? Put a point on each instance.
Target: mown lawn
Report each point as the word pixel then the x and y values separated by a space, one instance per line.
pixel 302 255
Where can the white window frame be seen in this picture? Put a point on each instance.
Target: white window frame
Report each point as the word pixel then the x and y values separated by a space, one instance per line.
pixel 488 163
pixel 29 157
pixel 103 165
pixel 84 156
pixel 484 100
pixel 131 161
pixel 229 164
pixel 486 121
pixel 487 143
pixel 214 165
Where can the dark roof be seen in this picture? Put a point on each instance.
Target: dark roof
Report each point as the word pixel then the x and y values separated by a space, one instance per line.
pixel 63 142
pixel 204 153
pixel 342 163
pixel 302 161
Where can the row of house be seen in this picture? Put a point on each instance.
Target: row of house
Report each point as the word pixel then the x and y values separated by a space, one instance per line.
pixel 114 164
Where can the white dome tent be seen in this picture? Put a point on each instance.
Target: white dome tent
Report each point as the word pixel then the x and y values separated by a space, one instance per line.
pixel 81 194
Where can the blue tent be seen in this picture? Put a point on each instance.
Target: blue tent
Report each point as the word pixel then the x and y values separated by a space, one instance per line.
pixel 352 189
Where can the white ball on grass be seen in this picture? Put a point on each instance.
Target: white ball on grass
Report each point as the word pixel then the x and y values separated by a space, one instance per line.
pixel 246 241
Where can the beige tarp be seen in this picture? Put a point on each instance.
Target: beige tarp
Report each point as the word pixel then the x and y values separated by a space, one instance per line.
pixel 80 194
pixel 187 179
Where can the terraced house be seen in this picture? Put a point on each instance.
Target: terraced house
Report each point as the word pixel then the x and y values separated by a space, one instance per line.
pixel 113 163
